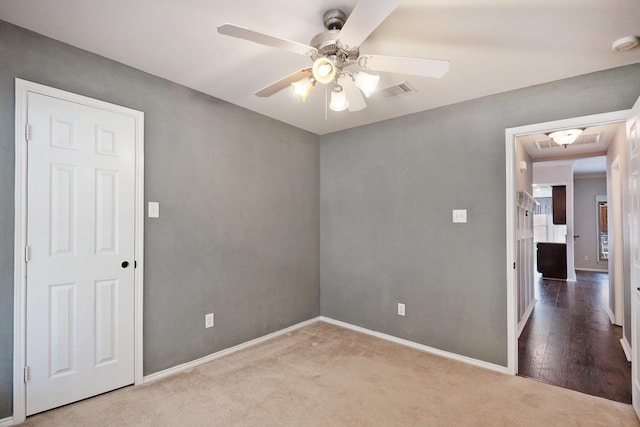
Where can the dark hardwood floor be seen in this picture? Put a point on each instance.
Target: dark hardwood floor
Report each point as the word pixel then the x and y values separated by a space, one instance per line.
pixel 570 342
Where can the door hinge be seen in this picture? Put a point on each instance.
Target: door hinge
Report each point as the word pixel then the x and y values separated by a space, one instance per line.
pixel 135 264
pixel 27 132
pixel 27 374
pixel 27 253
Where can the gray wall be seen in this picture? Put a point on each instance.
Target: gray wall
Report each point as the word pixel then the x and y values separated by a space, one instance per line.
pixel 239 204
pixel 585 191
pixel 387 191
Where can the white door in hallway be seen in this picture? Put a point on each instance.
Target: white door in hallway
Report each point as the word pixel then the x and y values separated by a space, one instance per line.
pixel 633 141
pixel 80 236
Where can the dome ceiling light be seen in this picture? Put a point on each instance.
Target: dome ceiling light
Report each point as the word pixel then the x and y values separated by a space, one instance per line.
pixel 565 137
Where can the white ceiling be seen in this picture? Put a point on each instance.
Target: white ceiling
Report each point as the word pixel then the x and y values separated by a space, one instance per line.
pixel 594 141
pixel 493 45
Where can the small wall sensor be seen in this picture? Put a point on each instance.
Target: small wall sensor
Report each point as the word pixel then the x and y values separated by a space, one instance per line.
pixel 625 43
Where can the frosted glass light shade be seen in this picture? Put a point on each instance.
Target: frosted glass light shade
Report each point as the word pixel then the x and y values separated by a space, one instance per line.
pixel 367 83
pixel 303 87
pixel 338 99
pixel 565 137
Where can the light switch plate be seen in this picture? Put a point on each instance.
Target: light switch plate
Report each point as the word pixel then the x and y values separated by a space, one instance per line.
pixel 401 309
pixel 154 210
pixel 209 320
pixel 459 215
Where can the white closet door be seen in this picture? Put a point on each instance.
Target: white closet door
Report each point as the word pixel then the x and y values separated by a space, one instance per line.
pixel 80 233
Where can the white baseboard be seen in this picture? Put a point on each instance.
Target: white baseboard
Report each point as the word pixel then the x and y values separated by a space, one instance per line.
pixel 5 422
pixel 188 365
pixel 595 270
pixel 626 347
pixel 525 318
pixel 612 317
pixel 555 278
pixel 421 347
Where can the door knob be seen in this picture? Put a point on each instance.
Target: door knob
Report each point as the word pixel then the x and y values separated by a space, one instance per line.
pixel 125 264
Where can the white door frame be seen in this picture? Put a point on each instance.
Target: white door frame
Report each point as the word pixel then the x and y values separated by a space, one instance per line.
pixel 510 160
pixel 616 268
pixel 23 88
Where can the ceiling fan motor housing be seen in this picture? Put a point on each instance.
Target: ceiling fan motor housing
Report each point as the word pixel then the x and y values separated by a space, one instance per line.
pixel 334 19
pixel 327 47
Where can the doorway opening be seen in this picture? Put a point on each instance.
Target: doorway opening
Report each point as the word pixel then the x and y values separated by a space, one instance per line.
pixel 515 181
pixel 544 229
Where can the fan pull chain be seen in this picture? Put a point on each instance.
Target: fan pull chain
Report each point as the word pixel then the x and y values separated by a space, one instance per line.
pixel 326 102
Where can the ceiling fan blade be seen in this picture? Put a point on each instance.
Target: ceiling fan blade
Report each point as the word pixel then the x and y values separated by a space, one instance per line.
pixel 404 65
pixel 265 39
pixel 353 94
pixel 283 83
pixel 365 18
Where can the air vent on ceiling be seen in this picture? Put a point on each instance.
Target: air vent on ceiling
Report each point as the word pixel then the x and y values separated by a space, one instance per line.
pixel 543 144
pixel 400 89
pixel 584 139
pixel 590 138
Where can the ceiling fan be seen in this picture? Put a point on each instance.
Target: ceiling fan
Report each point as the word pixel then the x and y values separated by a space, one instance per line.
pixel 336 56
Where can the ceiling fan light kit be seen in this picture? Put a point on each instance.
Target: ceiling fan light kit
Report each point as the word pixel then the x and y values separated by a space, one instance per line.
pixel 335 54
pixel 366 82
pixel 565 137
pixel 323 70
pixel 339 100
pixel 303 87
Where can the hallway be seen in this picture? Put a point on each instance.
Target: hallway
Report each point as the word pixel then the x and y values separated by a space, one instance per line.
pixel 570 342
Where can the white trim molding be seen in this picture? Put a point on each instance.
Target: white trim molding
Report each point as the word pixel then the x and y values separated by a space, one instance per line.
pixel 525 317
pixel 626 347
pixel 593 270
pixel 22 89
pixel 512 281
pixel 510 155
pixel 6 422
pixel 612 317
pixel 194 363
pixel 213 356
pixel 417 346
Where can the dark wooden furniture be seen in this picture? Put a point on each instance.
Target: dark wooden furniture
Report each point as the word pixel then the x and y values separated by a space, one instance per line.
pixel 552 260
pixel 559 203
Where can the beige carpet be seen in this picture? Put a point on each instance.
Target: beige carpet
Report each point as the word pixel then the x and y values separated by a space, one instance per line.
pixel 324 375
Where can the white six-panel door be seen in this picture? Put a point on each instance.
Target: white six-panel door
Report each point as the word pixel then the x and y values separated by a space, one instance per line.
pixel 80 231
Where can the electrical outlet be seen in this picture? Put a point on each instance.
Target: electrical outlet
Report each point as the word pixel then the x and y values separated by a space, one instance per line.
pixel 586 257
pixel 400 309
pixel 208 320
